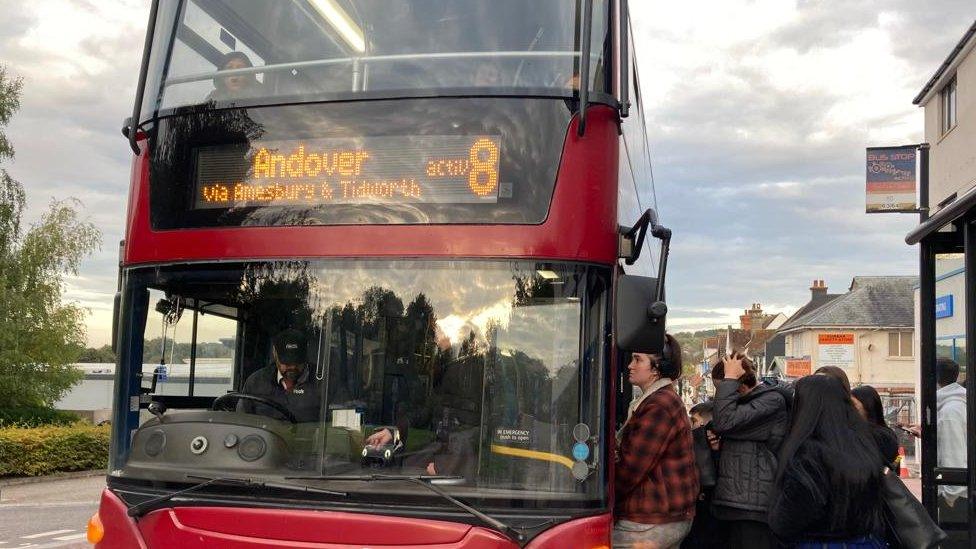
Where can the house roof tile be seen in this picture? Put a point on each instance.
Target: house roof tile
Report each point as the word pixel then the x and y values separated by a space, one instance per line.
pixel 882 301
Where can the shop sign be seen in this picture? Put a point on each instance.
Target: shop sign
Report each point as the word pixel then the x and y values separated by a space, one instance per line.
pixel 890 176
pixel 836 350
pixel 798 367
pixel 943 306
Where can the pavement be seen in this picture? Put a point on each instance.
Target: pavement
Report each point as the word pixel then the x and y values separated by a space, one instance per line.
pixel 48 512
pixel 915 486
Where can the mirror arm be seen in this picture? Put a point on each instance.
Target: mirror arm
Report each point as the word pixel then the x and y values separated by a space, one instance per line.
pixel 636 235
pixel 664 234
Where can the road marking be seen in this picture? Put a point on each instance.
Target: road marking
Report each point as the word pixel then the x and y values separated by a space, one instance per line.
pixel 45 534
pixel 72 537
pixel 49 504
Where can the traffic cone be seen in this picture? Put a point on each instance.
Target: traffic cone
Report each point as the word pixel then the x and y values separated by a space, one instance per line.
pixel 902 469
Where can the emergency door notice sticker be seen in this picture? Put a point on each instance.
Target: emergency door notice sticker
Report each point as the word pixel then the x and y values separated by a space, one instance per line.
pixel 509 436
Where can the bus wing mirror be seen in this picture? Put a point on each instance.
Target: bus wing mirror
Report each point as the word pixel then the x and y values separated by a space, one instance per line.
pixel 639 315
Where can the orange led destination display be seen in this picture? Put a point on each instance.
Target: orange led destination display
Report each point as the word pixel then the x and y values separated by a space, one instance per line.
pixel 369 170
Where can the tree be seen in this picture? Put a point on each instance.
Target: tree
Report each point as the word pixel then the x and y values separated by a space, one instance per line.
pixel 101 355
pixel 40 334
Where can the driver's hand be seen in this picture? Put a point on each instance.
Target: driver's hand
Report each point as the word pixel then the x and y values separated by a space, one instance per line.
pixel 431 470
pixel 379 438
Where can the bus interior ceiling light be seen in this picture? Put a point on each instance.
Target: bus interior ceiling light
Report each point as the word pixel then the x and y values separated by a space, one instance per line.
pixel 548 275
pixel 340 20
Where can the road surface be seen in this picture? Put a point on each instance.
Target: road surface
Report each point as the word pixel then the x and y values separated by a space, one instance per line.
pixel 48 514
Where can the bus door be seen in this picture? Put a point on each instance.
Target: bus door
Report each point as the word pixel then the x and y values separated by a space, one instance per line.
pixel 947 405
pixel 189 349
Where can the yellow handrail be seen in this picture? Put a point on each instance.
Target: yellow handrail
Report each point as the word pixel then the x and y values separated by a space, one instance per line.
pixel 532 454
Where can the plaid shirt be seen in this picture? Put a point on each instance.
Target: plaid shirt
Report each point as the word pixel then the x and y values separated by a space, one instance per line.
pixel 655 477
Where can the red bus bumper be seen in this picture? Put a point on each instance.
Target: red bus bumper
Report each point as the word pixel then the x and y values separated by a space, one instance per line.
pixel 208 527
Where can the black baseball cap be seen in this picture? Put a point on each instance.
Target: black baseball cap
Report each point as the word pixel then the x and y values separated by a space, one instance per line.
pixel 290 346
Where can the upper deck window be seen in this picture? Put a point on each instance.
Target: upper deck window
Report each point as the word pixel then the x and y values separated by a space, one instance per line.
pixel 948 100
pixel 258 52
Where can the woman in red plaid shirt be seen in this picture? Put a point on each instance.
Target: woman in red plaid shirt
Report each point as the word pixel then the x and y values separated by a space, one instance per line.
pixel 656 481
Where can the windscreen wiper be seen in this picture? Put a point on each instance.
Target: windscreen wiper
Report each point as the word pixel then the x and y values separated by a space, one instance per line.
pixel 427 481
pixel 140 508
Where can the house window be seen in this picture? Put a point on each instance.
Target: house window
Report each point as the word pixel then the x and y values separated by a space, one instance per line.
pixel 900 344
pixel 948 100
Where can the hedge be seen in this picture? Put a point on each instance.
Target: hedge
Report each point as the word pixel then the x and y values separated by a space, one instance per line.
pixel 44 450
pixel 35 417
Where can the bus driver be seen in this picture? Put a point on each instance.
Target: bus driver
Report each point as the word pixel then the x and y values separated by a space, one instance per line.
pixel 288 381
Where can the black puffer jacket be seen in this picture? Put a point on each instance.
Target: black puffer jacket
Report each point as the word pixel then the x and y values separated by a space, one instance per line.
pixel 752 428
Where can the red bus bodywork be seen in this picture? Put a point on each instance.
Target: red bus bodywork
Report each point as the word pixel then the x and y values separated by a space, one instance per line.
pixel 581 226
pixel 205 527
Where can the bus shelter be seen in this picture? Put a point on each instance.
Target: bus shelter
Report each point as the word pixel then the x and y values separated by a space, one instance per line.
pixel 947 321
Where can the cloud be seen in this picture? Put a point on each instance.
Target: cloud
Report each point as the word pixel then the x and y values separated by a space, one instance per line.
pixel 758 114
pixel 79 62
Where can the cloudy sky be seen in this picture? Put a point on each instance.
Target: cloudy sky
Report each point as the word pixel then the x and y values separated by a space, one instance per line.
pixel 758 115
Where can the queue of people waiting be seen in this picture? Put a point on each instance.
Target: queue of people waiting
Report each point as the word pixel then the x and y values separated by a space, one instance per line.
pixel 761 465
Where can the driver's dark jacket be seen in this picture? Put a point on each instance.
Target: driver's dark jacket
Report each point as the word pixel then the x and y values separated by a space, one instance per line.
pixel 304 400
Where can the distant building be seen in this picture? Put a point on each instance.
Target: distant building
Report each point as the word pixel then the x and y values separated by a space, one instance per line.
pixel 946 244
pixel 776 351
pixel 949 102
pixel 755 328
pixel 868 332
pixel 92 397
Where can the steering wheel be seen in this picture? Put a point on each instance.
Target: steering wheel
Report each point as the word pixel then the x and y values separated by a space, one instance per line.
pixel 222 401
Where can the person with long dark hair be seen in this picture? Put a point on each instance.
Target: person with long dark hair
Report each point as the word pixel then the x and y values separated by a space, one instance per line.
pixel 828 484
pixel 837 373
pixel 867 401
pixel 656 480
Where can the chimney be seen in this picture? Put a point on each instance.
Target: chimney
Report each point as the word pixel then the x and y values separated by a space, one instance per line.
pixel 819 288
pixel 745 321
pixel 752 318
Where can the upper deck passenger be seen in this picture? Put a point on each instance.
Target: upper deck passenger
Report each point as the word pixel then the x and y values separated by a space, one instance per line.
pixel 234 86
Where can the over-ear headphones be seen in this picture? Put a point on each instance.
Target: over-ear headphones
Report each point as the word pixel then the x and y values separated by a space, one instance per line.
pixel 664 363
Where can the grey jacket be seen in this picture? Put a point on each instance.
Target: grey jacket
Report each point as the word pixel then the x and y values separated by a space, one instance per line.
pixel 752 428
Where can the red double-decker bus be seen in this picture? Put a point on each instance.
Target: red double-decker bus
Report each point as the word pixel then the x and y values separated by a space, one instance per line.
pixel 381 262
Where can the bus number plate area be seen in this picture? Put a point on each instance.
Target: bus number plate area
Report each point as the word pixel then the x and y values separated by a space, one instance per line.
pixel 368 170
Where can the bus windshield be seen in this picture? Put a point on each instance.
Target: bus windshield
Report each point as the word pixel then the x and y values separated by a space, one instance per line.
pixel 258 52
pixel 488 373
